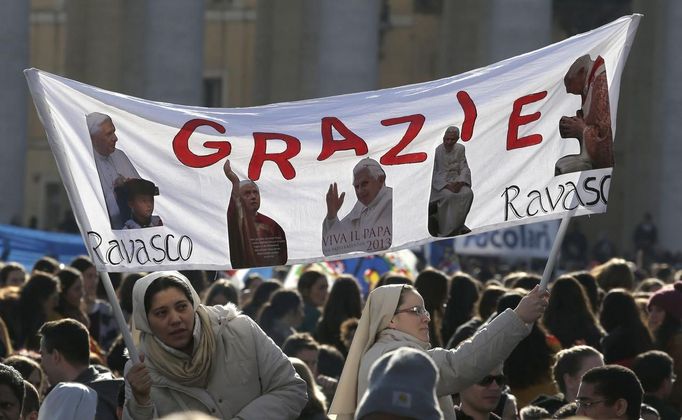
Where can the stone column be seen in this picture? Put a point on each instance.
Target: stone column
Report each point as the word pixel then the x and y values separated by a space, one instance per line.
pixel 93 42
pixel 636 144
pixel 518 26
pixel 133 58
pixel 174 51
pixel 14 44
pixel 667 119
pixel 286 53
pixel 463 37
pixel 348 46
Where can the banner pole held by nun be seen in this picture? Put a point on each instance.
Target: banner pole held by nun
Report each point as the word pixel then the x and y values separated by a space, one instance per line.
pixel 554 253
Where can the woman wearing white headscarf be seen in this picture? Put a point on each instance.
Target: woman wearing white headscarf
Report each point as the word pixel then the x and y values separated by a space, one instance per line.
pixel 208 359
pixel 68 401
pixel 394 317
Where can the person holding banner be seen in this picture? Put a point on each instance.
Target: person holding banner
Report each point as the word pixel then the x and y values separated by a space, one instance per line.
pixel 255 239
pixel 451 193
pixel 592 123
pixel 368 226
pixel 113 166
pixel 208 359
pixel 394 317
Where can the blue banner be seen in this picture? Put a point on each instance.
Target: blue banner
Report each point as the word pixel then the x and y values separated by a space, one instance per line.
pixel 26 246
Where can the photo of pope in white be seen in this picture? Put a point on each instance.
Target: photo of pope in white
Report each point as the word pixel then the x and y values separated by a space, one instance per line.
pixel 368 226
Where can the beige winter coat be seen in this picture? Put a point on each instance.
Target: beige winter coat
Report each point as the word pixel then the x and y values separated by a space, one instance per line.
pixel 250 377
pixel 459 368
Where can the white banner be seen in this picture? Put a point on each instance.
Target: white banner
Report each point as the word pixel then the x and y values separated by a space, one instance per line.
pixel 533 240
pixel 163 186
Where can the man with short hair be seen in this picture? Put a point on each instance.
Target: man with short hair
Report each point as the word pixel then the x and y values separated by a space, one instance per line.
pixel 113 166
pixel 368 226
pixel 304 347
pixel 570 365
pixel 12 393
pixel 451 192
pixel 255 240
pixel 655 371
pixel 478 401
pixel 610 392
pixel 65 357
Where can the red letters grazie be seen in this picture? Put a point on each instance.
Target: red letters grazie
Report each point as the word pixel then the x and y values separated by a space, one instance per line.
pixel 350 141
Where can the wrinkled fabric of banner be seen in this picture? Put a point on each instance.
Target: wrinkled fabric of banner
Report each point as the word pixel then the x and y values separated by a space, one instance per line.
pixel 163 186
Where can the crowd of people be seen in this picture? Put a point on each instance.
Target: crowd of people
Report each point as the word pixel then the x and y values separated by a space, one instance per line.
pixel 601 343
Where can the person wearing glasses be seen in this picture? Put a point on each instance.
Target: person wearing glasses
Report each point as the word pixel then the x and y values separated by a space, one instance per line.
pixel 394 317
pixel 609 392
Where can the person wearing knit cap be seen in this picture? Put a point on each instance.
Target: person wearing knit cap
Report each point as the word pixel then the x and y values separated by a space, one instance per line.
pixel 665 323
pixel 402 383
pixel 113 166
pixel 394 317
pixel 666 300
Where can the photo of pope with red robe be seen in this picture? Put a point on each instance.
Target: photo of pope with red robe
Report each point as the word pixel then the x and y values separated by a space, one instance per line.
pixel 255 239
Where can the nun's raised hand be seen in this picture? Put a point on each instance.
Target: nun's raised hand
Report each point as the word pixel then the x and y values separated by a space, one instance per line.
pixel 533 305
pixel 140 382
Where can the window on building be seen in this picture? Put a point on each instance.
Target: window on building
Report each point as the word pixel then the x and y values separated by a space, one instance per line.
pixel 213 92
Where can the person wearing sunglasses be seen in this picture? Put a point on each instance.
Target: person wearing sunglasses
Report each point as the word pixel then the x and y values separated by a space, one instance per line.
pixel 479 400
pixel 394 317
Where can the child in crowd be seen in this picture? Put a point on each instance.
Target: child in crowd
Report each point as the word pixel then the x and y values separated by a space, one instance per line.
pixel 141 202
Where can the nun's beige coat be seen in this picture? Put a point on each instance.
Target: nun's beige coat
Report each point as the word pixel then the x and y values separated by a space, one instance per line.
pixel 458 369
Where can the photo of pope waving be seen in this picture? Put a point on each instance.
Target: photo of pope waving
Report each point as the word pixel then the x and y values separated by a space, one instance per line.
pixel 368 226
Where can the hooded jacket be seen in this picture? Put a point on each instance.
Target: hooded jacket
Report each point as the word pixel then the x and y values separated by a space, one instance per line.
pixel 250 377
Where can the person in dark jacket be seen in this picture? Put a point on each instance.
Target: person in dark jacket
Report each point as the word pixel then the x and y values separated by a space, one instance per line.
pixel 655 371
pixel 65 357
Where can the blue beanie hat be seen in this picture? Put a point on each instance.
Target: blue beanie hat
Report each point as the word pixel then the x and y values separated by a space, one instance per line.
pixel 402 382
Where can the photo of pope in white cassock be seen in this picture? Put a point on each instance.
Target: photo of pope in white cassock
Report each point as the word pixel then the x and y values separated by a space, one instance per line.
pixel 451 194
pixel 113 167
pixel 368 226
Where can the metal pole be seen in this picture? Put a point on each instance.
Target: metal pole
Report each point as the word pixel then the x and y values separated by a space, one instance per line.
pixel 549 267
pixel 118 314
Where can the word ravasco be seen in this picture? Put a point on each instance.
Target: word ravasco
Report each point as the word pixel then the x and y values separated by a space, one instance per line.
pixel 348 141
pixel 158 250
pixel 566 196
